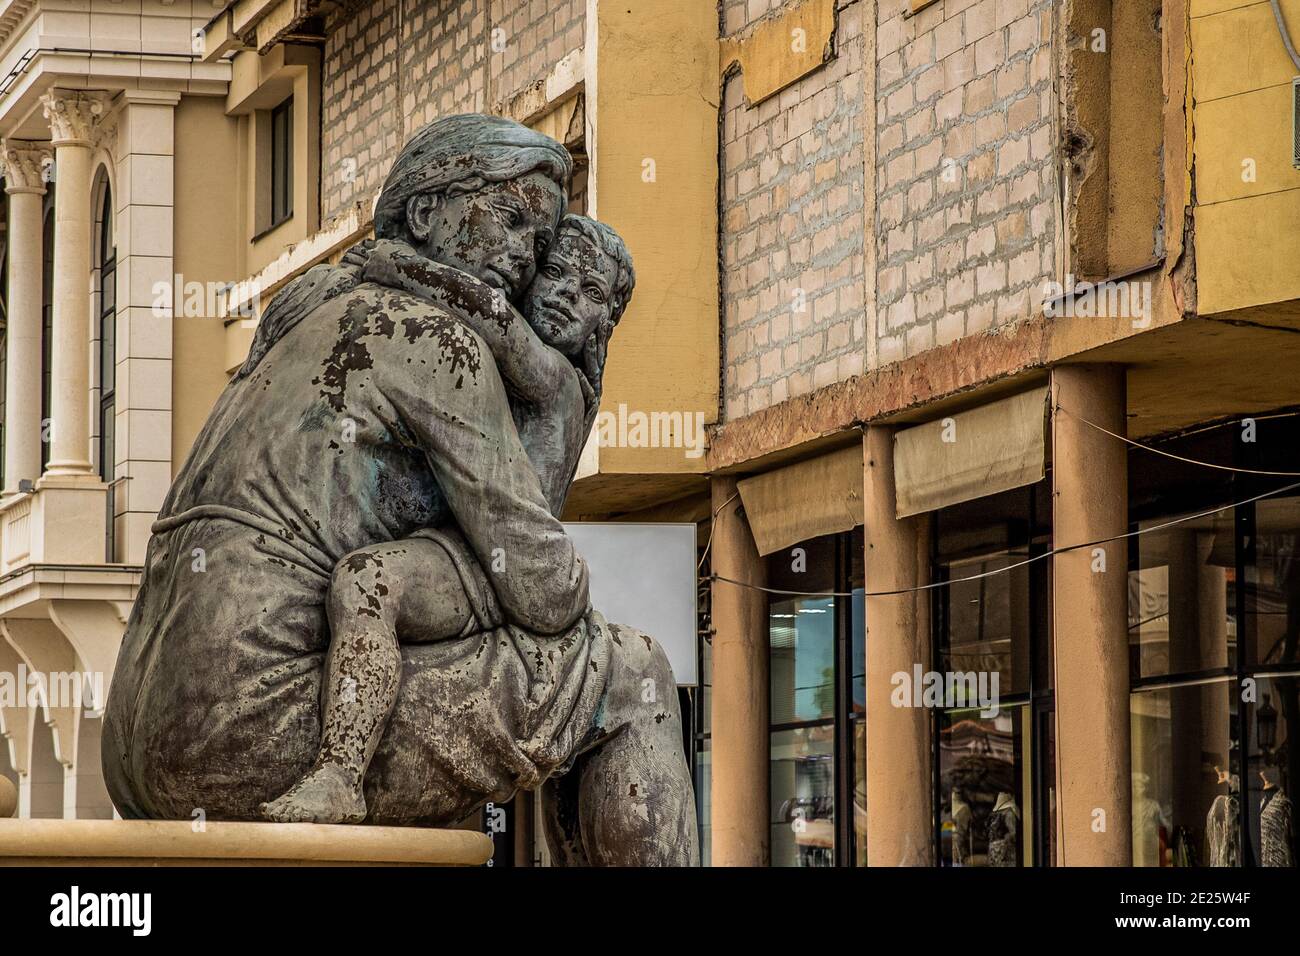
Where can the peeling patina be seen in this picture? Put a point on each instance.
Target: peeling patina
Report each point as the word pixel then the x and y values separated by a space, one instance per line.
pixel 376 664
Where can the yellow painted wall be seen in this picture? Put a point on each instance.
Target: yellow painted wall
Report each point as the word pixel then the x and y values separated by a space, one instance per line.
pixel 208 239
pixel 653 95
pixel 258 85
pixel 1247 233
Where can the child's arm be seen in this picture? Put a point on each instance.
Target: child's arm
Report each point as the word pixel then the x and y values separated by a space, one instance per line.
pixel 532 370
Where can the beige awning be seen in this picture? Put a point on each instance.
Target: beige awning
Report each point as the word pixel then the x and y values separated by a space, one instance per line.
pixel 805 500
pixel 995 447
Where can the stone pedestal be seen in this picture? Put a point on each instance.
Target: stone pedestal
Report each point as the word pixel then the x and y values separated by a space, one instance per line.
pixel 176 843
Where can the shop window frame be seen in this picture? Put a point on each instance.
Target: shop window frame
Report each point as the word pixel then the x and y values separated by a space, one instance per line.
pixel 1035 537
pixel 1187 496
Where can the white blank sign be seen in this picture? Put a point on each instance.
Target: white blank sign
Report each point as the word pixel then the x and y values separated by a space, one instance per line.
pixel 643 575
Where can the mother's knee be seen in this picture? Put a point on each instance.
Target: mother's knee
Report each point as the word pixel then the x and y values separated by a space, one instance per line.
pixel 640 677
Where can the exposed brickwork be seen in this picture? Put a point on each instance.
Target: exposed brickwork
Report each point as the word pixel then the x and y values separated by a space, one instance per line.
pixel 792 227
pixel 738 14
pixel 359 105
pixel 390 66
pixel 964 171
pixel 537 34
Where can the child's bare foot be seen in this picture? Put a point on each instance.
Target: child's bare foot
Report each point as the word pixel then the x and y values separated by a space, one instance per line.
pixel 323 796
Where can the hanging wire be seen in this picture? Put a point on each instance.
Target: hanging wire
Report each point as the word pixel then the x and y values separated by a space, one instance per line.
pixel 1020 564
pixel 1038 557
pixel 1184 460
pixel 713 523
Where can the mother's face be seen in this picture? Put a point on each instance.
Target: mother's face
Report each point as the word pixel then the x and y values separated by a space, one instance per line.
pixel 495 234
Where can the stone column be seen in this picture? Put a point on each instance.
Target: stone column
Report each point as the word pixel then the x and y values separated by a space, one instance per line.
pixel 900 817
pixel 72 117
pixel 1090 602
pixel 739 715
pixel 25 165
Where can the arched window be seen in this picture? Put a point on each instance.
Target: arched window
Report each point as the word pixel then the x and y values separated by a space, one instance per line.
pixel 47 320
pixel 107 339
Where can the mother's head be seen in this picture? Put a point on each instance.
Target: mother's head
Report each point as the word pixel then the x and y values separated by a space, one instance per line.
pixel 480 193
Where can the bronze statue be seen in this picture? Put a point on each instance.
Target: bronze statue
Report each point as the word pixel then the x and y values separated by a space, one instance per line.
pixel 358 602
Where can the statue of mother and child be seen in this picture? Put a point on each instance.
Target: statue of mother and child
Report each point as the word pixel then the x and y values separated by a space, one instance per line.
pixel 358 603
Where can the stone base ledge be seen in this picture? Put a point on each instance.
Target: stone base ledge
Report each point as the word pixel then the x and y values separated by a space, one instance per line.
pixel 175 843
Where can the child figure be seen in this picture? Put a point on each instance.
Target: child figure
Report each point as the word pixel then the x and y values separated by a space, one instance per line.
pixel 408 591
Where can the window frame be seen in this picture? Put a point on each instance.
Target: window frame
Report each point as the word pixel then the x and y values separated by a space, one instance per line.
pixel 1039 701
pixel 280 172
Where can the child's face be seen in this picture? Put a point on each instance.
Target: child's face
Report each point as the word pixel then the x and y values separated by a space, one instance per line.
pixel 572 293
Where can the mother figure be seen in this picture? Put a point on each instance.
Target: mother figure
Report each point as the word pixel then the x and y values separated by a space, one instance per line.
pixel 366 412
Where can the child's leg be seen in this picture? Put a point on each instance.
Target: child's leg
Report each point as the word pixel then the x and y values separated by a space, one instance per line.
pixel 408 589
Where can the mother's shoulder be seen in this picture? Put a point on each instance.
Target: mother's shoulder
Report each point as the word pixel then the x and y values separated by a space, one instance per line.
pixel 415 335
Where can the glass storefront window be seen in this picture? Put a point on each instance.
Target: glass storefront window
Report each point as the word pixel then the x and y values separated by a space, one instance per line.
pixel 703 798
pixel 996 791
pixel 1214 623
pixel 1272 582
pixel 1181 616
pixel 802 635
pixel 1273 769
pixel 984 777
pixel 817 656
pixel 1186 788
pixel 988 619
pixel 803 796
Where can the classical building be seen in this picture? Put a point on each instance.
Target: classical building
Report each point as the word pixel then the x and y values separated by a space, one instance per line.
pixel 986 311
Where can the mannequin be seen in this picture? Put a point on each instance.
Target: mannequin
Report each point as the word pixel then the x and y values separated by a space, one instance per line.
pixel 962 841
pixel 1004 825
pixel 1223 823
pixel 1276 824
pixel 1148 818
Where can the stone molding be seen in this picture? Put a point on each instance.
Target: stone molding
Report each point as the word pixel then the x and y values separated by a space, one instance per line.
pixel 26 166
pixel 73 116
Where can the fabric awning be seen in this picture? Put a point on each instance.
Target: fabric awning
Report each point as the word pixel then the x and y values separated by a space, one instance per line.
pixel 805 500
pixel 993 448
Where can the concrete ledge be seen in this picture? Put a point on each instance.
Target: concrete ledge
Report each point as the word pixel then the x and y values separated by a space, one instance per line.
pixel 175 843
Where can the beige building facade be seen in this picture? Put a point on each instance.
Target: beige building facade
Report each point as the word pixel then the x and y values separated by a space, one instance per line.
pixel 924 273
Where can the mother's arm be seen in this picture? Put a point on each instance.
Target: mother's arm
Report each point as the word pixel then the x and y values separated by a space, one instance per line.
pixel 462 423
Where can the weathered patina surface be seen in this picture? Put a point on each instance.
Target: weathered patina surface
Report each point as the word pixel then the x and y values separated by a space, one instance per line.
pixel 369 413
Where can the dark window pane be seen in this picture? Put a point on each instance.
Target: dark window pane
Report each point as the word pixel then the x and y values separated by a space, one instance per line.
pixel 1180 616
pixel 1273 583
pixel 807 567
pixel 282 162
pixel 107 427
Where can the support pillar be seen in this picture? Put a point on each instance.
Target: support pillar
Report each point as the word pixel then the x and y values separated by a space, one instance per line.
pixel 900 817
pixel 71 116
pixel 25 165
pixel 1090 609
pixel 739 718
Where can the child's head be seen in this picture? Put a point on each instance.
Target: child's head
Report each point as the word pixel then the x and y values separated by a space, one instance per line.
pixel 582 286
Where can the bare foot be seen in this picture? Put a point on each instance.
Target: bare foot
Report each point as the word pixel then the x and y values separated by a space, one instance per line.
pixel 323 796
